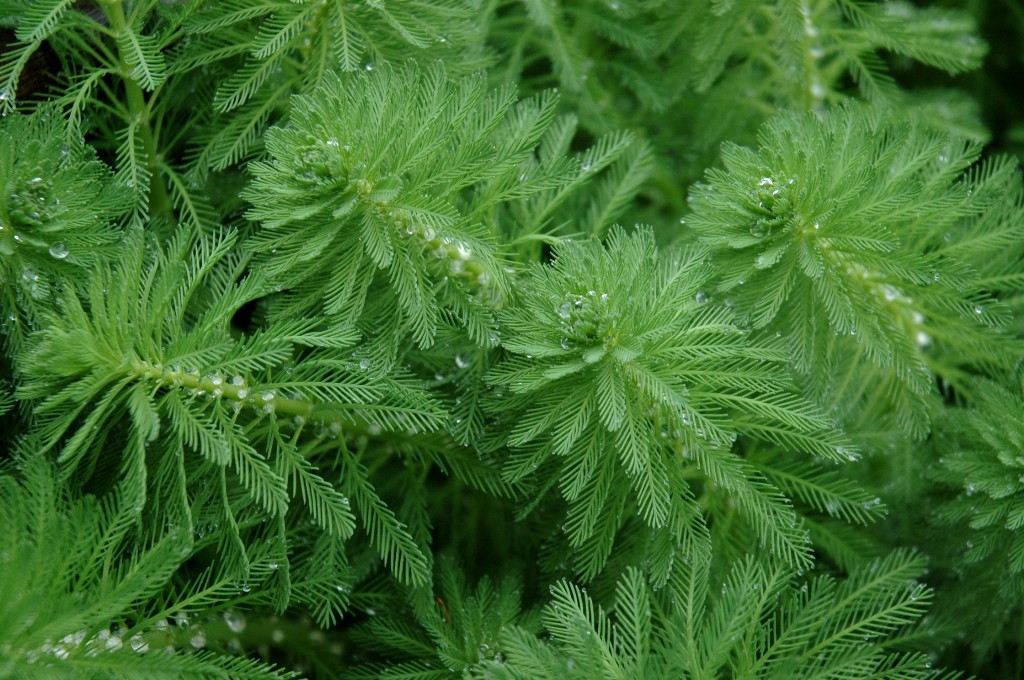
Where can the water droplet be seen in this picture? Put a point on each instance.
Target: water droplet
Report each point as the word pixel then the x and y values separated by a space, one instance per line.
pixel 198 641
pixel 368 67
pixel 758 230
pixel 364 364
pixel 848 454
pixel 766 182
pixel 236 622
pixel 139 644
pixel 701 297
pixel 246 587
pixel 460 362
pixel 978 309
pixel 59 250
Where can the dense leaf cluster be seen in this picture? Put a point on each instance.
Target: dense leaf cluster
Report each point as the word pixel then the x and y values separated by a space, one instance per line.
pixel 541 339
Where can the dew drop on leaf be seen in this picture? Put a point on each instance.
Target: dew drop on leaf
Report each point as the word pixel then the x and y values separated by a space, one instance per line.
pixel 236 622
pixel 59 250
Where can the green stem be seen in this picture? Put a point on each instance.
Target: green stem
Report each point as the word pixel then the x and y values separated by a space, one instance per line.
pixel 814 88
pixel 236 390
pixel 139 113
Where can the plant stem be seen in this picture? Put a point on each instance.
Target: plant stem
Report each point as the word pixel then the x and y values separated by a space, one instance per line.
pixel 139 114
pixel 265 400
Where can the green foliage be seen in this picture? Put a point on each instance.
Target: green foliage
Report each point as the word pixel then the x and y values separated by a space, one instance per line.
pixel 304 303
pixel 982 451
pixel 761 623
pixel 843 236
pixel 264 51
pixel 144 355
pixel 76 603
pixel 358 164
pixel 621 374
pixel 58 207
pixel 457 630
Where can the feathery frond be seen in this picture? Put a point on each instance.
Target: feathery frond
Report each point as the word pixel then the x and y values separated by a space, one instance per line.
pixel 619 370
pixel 833 234
pixel 376 182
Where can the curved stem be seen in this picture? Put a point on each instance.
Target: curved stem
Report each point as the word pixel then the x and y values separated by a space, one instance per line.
pixel 139 111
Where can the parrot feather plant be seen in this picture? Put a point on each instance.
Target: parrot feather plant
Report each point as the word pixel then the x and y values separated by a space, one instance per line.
pixel 511 339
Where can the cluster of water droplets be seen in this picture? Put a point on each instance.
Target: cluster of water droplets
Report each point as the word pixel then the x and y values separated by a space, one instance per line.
pixel 585 317
pixel 772 202
pixel 455 257
pixel 168 635
pixel 12 241
pixel 849 454
pixel 33 203
pixel 211 386
pixel 162 636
